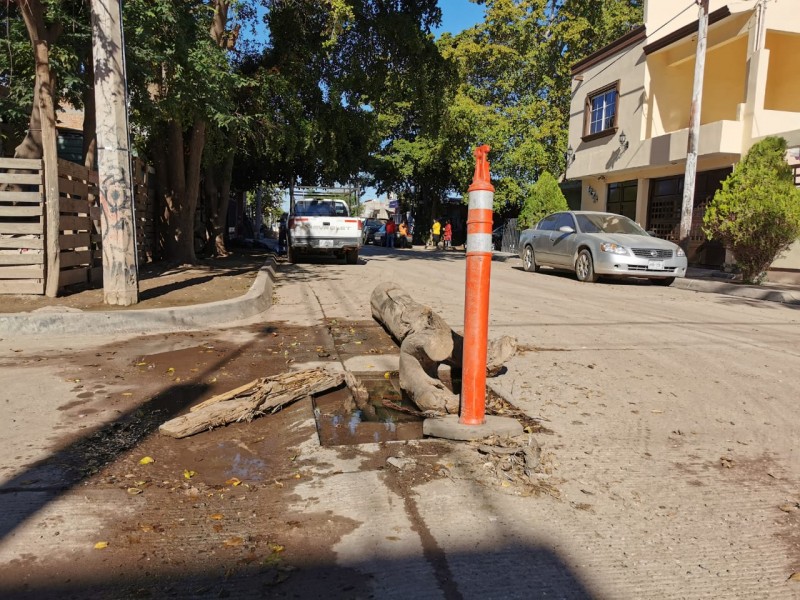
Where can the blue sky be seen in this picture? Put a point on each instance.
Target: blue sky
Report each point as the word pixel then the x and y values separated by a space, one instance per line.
pixel 458 15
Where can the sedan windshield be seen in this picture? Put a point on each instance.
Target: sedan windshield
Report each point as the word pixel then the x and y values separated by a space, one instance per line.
pixel 607 223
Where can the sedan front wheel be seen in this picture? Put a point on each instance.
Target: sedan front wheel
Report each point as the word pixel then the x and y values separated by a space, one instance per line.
pixel 584 267
pixel 529 260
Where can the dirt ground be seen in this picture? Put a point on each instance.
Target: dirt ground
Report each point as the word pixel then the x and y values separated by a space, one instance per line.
pixel 210 516
pixel 162 285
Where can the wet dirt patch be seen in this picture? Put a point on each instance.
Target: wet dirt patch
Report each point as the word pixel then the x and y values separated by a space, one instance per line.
pixel 339 423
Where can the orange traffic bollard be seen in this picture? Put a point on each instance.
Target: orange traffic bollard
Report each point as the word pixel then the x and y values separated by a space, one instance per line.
pixel 476 301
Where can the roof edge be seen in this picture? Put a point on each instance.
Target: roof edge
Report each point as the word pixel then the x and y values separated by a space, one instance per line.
pixel 629 39
pixel 687 30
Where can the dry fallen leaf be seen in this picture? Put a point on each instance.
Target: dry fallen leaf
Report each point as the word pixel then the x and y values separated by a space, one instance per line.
pixel 216 517
pixel 187 474
pixel 234 541
pixel 127 394
pixel 233 481
pixel 171 370
pixel 146 460
pixel 794 576
pixel 213 380
pixel 135 491
pixel 100 545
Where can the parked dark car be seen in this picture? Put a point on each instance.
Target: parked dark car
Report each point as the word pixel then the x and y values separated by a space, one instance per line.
pixel 399 242
pixel 371 226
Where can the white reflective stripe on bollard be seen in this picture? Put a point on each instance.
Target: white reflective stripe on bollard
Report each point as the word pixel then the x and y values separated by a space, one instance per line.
pixel 479 242
pixel 481 199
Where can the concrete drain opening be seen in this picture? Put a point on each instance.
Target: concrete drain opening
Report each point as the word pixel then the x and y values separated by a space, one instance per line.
pixel 340 423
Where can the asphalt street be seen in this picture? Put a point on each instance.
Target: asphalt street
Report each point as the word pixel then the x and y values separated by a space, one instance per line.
pixel 672 446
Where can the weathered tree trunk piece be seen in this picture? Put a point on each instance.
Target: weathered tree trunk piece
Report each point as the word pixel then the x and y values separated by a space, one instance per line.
pixel 500 350
pixel 425 341
pixel 263 395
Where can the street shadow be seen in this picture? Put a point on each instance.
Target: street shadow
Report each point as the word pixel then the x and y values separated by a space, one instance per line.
pixel 45 480
pixel 520 571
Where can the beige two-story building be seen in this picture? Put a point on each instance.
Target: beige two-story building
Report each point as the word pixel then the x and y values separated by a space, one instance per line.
pixel 631 103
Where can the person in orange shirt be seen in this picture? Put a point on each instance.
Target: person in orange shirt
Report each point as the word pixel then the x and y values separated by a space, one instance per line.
pixel 448 235
pixel 402 232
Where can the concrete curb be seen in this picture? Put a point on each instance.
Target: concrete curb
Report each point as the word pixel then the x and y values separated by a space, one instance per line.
pixel 738 290
pixel 68 322
pixel 708 286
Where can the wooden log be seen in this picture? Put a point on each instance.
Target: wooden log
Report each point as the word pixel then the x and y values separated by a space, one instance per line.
pixel 425 341
pixel 402 315
pixel 498 352
pixel 256 398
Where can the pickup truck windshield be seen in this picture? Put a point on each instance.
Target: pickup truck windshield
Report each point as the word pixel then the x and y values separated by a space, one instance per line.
pixel 320 208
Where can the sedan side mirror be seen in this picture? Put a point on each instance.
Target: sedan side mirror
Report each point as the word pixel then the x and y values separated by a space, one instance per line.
pixel 566 229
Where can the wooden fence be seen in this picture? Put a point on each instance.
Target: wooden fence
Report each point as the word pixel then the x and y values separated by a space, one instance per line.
pixel 144 208
pixel 79 240
pixel 22 226
pixel 24 246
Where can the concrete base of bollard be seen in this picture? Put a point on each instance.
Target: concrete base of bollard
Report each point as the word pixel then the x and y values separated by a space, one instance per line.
pixel 450 429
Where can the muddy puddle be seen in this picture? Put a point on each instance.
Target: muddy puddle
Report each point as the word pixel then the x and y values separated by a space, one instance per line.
pixel 387 417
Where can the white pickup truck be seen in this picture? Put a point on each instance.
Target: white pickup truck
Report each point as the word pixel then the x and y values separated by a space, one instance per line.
pixel 323 228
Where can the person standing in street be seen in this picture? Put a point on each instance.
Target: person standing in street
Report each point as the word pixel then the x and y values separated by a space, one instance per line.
pixel 390 231
pixel 402 231
pixel 436 232
pixel 448 234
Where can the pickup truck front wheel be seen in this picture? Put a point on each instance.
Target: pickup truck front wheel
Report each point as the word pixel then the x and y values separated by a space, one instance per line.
pixel 351 257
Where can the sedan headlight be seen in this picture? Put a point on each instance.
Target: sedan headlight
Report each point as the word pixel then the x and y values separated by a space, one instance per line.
pixel 680 252
pixel 613 248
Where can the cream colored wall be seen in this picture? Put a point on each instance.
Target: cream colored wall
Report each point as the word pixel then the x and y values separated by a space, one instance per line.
pixel 672 78
pixel 670 94
pixel 783 77
pixel 783 15
pixel 789 260
pixel 662 17
pixel 628 68
pixel 724 81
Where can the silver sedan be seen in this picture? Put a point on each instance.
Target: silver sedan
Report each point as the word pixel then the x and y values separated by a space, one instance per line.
pixel 593 244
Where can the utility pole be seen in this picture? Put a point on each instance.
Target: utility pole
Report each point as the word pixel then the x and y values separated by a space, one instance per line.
pixel 694 126
pixel 120 272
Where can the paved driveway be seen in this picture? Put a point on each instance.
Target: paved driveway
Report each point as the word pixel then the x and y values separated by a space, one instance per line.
pixel 675 420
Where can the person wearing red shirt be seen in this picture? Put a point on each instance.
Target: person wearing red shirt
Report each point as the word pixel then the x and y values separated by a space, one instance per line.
pixel 390 231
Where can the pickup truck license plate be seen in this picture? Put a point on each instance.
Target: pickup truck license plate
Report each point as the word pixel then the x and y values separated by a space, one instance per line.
pixel 655 265
pixel 326 243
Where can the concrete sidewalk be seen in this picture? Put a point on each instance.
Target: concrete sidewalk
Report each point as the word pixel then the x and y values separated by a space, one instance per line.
pixel 716 282
pixel 66 321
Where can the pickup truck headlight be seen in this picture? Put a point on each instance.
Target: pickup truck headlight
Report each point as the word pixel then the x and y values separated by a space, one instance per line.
pixel 613 248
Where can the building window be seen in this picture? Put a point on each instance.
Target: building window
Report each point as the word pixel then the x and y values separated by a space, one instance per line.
pixel 601 112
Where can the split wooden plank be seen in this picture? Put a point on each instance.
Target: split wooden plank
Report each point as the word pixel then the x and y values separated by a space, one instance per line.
pixel 267 394
pixel 21 163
